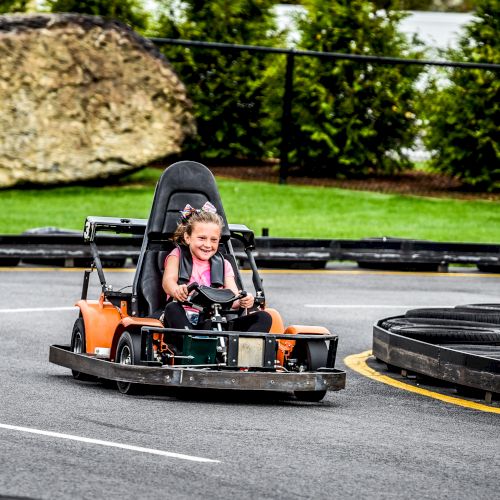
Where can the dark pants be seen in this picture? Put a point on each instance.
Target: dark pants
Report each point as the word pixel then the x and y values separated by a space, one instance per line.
pixel 175 317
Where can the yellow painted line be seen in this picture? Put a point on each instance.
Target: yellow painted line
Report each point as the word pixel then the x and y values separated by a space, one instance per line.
pixel 357 362
pixel 273 271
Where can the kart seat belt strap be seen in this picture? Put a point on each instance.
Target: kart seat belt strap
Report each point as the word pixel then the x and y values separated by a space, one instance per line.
pixel 186 267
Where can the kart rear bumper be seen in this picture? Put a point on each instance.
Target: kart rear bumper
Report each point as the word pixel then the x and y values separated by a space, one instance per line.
pixel 330 380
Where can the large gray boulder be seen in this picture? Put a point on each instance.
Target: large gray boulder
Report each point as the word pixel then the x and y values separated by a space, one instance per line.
pixel 83 98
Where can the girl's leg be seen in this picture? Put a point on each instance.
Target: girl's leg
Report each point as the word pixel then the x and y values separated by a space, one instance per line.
pixel 259 321
pixel 175 316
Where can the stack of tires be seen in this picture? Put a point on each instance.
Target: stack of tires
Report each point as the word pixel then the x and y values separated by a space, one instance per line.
pixel 467 324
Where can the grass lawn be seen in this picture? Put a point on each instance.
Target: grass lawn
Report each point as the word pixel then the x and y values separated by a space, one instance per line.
pixel 288 211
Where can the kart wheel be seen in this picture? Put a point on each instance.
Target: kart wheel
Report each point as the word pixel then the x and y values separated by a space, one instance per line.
pixel 311 353
pixel 127 353
pixel 317 353
pixel 311 396
pixel 78 345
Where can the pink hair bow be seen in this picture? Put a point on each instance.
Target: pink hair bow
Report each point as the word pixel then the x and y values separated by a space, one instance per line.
pixel 188 210
pixel 208 207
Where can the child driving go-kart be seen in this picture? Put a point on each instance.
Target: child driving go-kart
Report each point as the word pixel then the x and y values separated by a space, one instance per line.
pixel 197 256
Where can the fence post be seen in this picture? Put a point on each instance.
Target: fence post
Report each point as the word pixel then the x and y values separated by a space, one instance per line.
pixel 286 118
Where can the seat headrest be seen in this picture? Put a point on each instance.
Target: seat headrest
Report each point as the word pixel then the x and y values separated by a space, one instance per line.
pixel 182 183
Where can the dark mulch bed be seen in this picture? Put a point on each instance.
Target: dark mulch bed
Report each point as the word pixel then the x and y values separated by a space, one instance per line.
pixel 409 183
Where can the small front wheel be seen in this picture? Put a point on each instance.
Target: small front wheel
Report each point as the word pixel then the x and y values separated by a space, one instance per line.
pixel 311 396
pixel 128 353
pixel 78 346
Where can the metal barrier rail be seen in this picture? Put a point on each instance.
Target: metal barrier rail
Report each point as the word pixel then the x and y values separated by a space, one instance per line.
pixel 70 249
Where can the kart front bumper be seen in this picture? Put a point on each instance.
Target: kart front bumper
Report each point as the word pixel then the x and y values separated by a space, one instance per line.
pixel 330 379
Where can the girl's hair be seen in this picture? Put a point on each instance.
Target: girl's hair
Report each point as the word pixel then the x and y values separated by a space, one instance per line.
pixel 186 224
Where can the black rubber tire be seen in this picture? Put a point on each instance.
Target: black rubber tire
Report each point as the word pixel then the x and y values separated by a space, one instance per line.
pixel 312 353
pixel 488 268
pixel 128 353
pixel 78 345
pixel 442 334
pixel 456 314
pixel 311 396
pixel 481 308
pixel 395 322
pixel 113 262
pixel 291 264
pixel 82 262
pixel 9 262
pixel 317 354
pixel 399 266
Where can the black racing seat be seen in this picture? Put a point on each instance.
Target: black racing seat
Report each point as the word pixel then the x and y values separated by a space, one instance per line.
pixel 152 298
pixel 182 183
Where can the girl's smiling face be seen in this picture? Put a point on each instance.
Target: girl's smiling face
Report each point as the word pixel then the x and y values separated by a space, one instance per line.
pixel 204 240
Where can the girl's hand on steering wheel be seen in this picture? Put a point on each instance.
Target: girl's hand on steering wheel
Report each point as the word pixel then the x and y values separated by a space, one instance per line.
pixel 181 293
pixel 247 301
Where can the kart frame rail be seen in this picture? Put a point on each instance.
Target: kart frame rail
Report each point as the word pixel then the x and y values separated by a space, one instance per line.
pixel 233 337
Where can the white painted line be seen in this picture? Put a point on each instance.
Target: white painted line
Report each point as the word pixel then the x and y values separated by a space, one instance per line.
pixel 100 442
pixel 369 306
pixel 38 309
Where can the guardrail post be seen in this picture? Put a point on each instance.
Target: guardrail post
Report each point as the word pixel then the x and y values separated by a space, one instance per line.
pixel 286 118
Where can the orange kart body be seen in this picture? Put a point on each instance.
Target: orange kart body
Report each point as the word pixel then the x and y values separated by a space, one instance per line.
pixel 105 323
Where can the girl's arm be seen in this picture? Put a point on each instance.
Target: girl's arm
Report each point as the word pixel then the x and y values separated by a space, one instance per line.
pixel 245 302
pixel 169 281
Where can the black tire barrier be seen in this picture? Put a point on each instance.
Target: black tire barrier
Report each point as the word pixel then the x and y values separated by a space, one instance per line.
pixel 468 364
pixel 458 345
pixel 374 253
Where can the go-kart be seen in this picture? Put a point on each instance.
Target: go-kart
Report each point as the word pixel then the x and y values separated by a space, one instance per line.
pixel 120 336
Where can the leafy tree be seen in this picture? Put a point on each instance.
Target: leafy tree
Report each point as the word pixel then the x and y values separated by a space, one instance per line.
pixel 353 118
pixel 13 6
pixel 464 117
pixel 228 88
pixel 130 12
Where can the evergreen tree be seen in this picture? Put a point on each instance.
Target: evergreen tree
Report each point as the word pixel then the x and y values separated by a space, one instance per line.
pixel 228 88
pixel 353 118
pixel 464 117
pixel 130 12
pixel 13 6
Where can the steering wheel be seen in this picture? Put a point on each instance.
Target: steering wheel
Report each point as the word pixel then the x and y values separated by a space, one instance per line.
pixel 206 296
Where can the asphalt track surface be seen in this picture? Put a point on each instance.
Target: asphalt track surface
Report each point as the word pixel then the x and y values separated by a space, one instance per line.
pixel 368 441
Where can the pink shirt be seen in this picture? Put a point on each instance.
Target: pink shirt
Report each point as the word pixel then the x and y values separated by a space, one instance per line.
pixel 201 269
